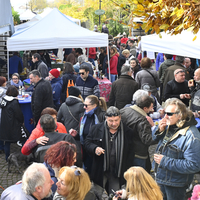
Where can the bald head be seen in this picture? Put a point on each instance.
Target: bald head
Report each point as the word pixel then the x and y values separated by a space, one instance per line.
pixel 197 75
pixel 187 62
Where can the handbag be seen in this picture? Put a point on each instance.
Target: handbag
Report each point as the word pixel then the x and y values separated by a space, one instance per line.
pixel 24 133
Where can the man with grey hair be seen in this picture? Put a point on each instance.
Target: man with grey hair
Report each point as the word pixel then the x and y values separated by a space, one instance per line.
pixel 169 72
pixel 111 145
pixel 137 119
pixel 81 60
pixel 36 184
pixel 123 88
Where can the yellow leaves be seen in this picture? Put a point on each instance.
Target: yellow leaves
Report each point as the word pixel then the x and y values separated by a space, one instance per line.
pixel 164 26
pixel 140 7
pixel 194 38
pixel 191 28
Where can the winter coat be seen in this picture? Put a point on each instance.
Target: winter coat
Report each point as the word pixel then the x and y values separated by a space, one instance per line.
pixel 122 91
pixel 70 113
pixel 181 155
pixel 167 63
pixel 15 65
pixel 36 133
pixel 135 118
pixel 56 85
pixel 96 138
pixel 2 94
pixel 113 64
pixel 11 119
pixel 143 77
pixel 41 98
pixel 15 192
pixel 65 78
pixel 159 60
pixel 88 87
pixel 55 137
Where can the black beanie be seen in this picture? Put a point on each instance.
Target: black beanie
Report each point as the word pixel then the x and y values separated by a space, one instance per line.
pixel 74 91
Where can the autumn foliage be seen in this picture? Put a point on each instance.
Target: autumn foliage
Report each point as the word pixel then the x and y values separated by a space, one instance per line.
pixel 168 15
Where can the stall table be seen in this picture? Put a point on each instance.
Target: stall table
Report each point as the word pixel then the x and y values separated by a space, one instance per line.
pixel 105 88
pixel 25 104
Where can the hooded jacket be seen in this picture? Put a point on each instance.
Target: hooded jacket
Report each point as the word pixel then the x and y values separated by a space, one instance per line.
pixel 70 112
pixel 113 64
pixel 11 119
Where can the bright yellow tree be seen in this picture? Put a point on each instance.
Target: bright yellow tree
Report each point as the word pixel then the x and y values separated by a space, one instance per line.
pixel 168 15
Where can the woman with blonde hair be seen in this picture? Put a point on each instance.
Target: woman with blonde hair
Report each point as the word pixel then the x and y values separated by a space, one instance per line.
pixel 140 186
pixel 73 183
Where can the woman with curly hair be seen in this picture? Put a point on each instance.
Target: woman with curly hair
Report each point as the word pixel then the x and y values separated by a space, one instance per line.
pixel 57 156
pixel 140 186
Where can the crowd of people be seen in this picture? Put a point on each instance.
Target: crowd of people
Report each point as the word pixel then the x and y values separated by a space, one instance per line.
pixel 90 147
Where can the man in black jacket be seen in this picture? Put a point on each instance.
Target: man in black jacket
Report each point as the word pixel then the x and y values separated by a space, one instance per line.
pixel 48 125
pixel 111 145
pixel 42 94
pixel 123 89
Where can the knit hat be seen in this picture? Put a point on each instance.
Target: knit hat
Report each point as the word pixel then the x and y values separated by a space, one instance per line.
pixel 55 73
pixel 74 91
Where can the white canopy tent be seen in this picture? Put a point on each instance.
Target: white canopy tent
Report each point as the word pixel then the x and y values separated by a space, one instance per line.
pixel 27 15
pixel 180 44
pixel 55 31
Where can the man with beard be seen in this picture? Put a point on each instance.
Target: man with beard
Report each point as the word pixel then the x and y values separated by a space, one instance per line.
pixel 36 185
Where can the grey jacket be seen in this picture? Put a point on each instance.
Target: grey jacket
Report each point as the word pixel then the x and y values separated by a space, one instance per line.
pixel 143 77
pixel 135 118
pixel 15 192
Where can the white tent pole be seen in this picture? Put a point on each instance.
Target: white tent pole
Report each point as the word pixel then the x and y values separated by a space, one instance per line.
pixel 8 64
pixel 108 62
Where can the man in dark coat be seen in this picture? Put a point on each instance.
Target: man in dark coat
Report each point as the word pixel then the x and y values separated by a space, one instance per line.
pixel 42 94
pixel 123 89
pixel 111 145
pixel 48 125
pixel 169 72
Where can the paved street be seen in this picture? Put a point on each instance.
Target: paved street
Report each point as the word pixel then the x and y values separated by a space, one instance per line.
pixel 7 179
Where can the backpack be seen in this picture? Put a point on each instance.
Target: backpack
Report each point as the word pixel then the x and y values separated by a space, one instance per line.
pixel 69 84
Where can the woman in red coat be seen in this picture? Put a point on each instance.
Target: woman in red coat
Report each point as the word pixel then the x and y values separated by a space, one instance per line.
pixel 38 134
pixel 113 63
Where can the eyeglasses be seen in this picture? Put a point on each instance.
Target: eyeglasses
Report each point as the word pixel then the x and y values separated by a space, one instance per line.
pixel 171 113
pixel 112 114
pixel 87 105
pixel 77 172
pixel 81 73
pixel 180 71
pixel 14 78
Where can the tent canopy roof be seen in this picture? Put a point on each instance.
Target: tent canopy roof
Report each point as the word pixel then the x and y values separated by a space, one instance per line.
pixel 27 15
pixel 180 44
pixel 55 31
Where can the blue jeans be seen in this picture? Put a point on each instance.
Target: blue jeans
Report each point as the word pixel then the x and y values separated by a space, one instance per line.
pixel 113 77
pixel 91 60
pixel 139 162
pixel 172 193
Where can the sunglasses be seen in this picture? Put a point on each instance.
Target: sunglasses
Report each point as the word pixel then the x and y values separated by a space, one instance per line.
pixel 112 114
pixel 180 71
pixel 81 73
pixel 87 105
pixel 77 172
pixel 171 113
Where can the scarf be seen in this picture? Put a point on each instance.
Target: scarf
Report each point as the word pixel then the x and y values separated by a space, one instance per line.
pixel 84 118
pixel 119 145
pixel 16 84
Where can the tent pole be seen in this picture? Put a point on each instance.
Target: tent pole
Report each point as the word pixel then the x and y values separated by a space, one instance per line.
pixel 108 63
pixel 8 64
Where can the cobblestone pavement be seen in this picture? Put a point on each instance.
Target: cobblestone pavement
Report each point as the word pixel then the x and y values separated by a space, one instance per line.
pixel 8 179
